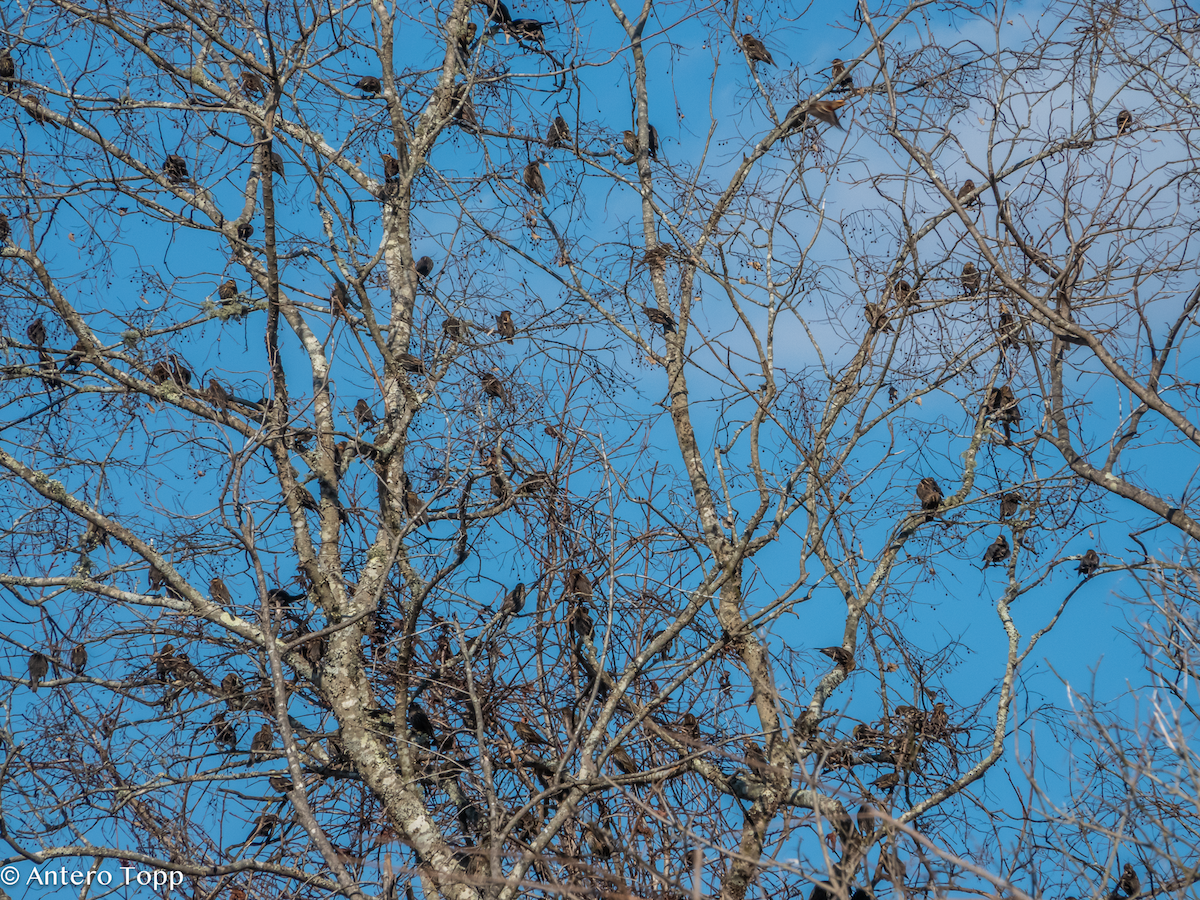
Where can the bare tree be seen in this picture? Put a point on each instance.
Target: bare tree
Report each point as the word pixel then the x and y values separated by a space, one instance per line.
pixel 431 468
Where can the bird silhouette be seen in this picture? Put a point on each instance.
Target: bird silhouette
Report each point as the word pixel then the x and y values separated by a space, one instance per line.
pixel 252 84
pixel 364 414
pixel 264 740
pixel 175 168
pixel 224 733
pixel 245 231
pixel 514 601
pixel 756 50
pixel 391 168
pixel 876 318
pixel 228 290
pixel 493 386
pixel 1124 121
pixel 423 266
pixel 841 656
pixel 559 133
pixel 220 593
pixel 886 782
pixel 658 317
pixel 581 621
pixel 929 493
pixel 505 327
pixel 276 165
pixel 5 228
pixel 39 665
pixel 1002 406
pixel 368 84
pixel 1088 563
pixel 1008 504
pixel 1129 884
pixel 579 586
pixel 821 110
pixel 997 551
pixel 497 11
pixel 455 329
pixel 533 179
pixel 964 193
pixel 623 761
pixel 838 70
pixel 971 279
pixel 529 734
pixel 79 658
pixel 36 332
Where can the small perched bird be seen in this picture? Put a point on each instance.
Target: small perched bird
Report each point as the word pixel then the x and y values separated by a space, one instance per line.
pixel 364 415
pixel 756 50
pixel 1008 504
pixel 971 279
pixel 997 551
pixel 368 84
pixel 281 783
pixel 276 165
pixel 658 317
pixel 8 68
pixel 232 688
pixel 1007 327
pixel 466 36
pixel 690 725
pixel 264 828
pixel 514 601
pixel 423 266
pixel 245 231
pixel 841 656
pixel 929 493
pixel 964 193
pixel 559 133
pixel 493 386
pixel 527 30
pixel 36 331
pixel 217 395
pixel 581 621
pixel 39 665
pixel 1130 885
pixel 497 11
pixel 228 290
pixel 598 840
pixel 419 722
pixel 5 228
pixel 505 327
pixel 1002 406
pixel 578 586
pixel 252 84
pixel 175 168
pixel 754 758
pixel 866 819
pixel 264 740
pixel 533 179
pixel 224 733
pixel 391 168
pixel 821 110
pixel 623 761
pixel 220 593
pixel 886 782
pixel 877 319
pixel 629 140
pixel 844 82
pixel 339 300
pixel 905 295
pixel 79 658
pixel 529 734
pixel 1088 563
pixel 1124 121
pixel 410 363
pixel 455 329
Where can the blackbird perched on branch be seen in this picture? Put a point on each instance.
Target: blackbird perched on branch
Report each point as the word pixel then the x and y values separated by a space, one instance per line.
pixel 1088 563
pixel 364 415
pixel 8 68
pixel 1130 885
pixel 1124 121
pixel 579 586
pixel 844 82
pixel 529 734
pixel 175 168
pixel 419 722
pixel 997 551
pixel 505 327
pixel 391 168
pixel 629 140
pixel 533 179
pixel 877 319
pixel 886 782
pixel 1008 504
pixel 497 11
pixel 514 601
pixel 658 317
pixel 493 386
pixel 5 228
pixel 929 493
pixel 841 656
pixel 252 84
pixel 559 133
pixel 821 110
pixel 971 279
pixel 245 231
pixel 965 192
pixel 264 740
pixel 423 266
pixel 224 733
pixel 36 331
pixel 756 50
pixel 228 290
pixel 1002 405
pixel 79 658
pixel 581 621
pixel 276 166
pixel 455 329
pixel 39 665
pixel 368 84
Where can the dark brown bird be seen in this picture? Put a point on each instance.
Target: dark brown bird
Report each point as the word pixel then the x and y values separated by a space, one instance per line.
pixel 971 279
pixel 497 11
pixel 690 725
pixel 364 415
pixel 245 231
pixel 175 168
pixel 841 656
pixel 493 386
pixel 756 50
pixel 514 601
pixel 1008 504
pixel 905 295
pixel 527 30
pixel 368 84
pixel 217 395
pixel 529 734
pixel 8 68
pixel 252 84
pixel 423 266
pixel 630 141
pixel 466 36
pixel 1088 563
pixel 652 149
pixel 281 783
pixel 821 110
pixel 581 621
pixel 866 819
pixel 533 179
pixel 39 665
pixel 500 488
pixel 264 740
pixel 877 319
pixel 929 493
pixel 755 759
pixel 844 82
pixel 623 761
pixel 224 734
pixel 939 720
pixel 410 363
pixel 455 329
pixel 276 165
pixel 79 658
pixel 5 228
pixel 220 593
pixel 658 317
pixel 419 722
pixel 339 300
pixel 886 782
pixel 36 330
pixel 391 168
pixel 964 193
pixel 1007 327
pixel 505 327
pixel 579 586
pixel 232 688
pixel 1130 885
pixel 997 551
pixel 228 290
pixel 559 133
pixel 1124 121
pixel 598 840
pixel 1002 406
